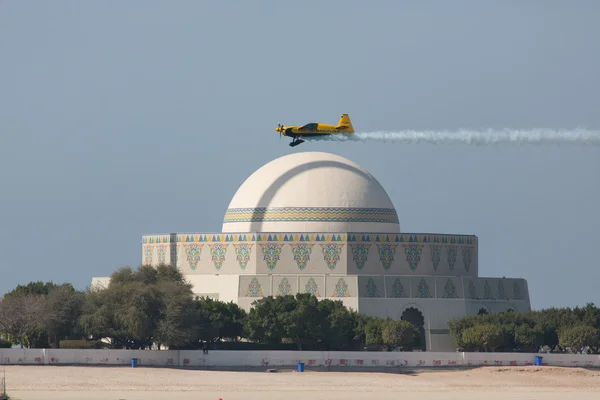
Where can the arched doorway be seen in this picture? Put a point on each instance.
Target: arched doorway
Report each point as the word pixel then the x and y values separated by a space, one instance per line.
pixel 416 318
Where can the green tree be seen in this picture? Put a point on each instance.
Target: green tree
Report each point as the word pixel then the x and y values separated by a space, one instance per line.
pixel 263 323
pixel 528 338
pixel 588 315
pixel 398 334
pixel 38 287
pixel 218 320
pixel 486 336
pixel 458 325
pixel 550 321
pixel 304 323
pixel 373 331
pixel 304 320
pixel 359 327
pixel 338 325
pixel 577 337
pixel 63 308
pixel 139 308
pixel 177 318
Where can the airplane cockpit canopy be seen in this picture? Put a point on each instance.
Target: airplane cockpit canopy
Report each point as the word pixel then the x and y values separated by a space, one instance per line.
pixel 310 126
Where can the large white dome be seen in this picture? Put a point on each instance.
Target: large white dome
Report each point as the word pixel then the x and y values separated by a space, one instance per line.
pixel 311 192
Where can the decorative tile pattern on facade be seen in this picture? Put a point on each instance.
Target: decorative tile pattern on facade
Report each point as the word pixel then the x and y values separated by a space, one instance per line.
pixel 423 290
pixel 450 290
pixel 451 251
pixel 161 251
pixel 413 255
pixel 501 291
pixel 254 288
pixel 487 291
pixel 331 254
pixel 271 254
pixel 466 256
pixel 218 251
pixel 472 290
pixel 213 238
pixel 284 287
pixel 299 237
pixel 436 255
pixel 310 214
pixel 157 239
pixel 410 238
pixel 386 254
pixel 307 237
pixel 517 291
pixel 148 250
pixel 312 287
pixel 193 252
pixel 371 288
pixel 242 254
pixel 398 289
pixel 360 254
pixel 301 253
pixel 341 289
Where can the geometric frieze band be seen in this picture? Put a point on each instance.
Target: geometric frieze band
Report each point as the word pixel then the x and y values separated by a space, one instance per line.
pixel 442 288
pixel 311 214
pixel 386 253
pixel 412 254
pixel 213 247
pixel 308 237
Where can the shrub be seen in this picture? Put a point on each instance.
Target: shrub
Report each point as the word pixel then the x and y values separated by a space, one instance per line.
pixel 5 344
pixel 81 344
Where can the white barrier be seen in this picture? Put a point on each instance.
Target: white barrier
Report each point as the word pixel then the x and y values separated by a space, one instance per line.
pixel 235 358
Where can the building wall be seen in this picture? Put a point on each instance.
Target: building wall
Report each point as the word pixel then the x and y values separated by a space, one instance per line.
pixel 377 274
pixel 491 294
pixel 436 313
pixel 412 254
pixel 100 282
pixel 219 287
pixel 447 288
pixel 275 359
pixel 437 299
pixel 314 253
pixel 334 287
pixel 206 254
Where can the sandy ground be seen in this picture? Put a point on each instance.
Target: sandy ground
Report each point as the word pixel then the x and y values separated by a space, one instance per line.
pixel 489 383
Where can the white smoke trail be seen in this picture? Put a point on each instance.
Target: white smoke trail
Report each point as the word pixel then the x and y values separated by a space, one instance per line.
pixel 577 137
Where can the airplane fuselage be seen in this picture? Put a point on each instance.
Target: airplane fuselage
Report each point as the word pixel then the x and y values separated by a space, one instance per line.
pixel 319 129
pixel 313 129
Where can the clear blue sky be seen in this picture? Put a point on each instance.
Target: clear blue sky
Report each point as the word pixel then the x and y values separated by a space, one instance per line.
pixel 123 118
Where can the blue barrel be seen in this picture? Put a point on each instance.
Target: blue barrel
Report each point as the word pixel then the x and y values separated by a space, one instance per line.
pixel 538 360
pixel 300 367
pixel 134 362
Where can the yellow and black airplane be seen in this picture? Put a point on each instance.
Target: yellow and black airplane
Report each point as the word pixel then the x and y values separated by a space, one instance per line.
pixel 315 129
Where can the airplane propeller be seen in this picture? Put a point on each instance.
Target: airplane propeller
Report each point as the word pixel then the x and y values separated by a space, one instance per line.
pixel 279 126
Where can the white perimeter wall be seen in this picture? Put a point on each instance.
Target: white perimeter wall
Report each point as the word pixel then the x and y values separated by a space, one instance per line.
pixel 230 358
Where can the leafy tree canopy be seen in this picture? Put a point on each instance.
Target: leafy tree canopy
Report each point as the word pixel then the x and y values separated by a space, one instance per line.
pixel 156 306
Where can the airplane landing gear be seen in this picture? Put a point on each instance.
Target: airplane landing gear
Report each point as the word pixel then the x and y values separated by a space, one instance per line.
pixel 296 142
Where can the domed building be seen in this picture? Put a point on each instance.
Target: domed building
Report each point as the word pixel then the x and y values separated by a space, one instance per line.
pixel 318 223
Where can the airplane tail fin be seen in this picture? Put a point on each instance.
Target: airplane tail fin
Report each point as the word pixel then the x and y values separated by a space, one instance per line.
pixel 345 122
